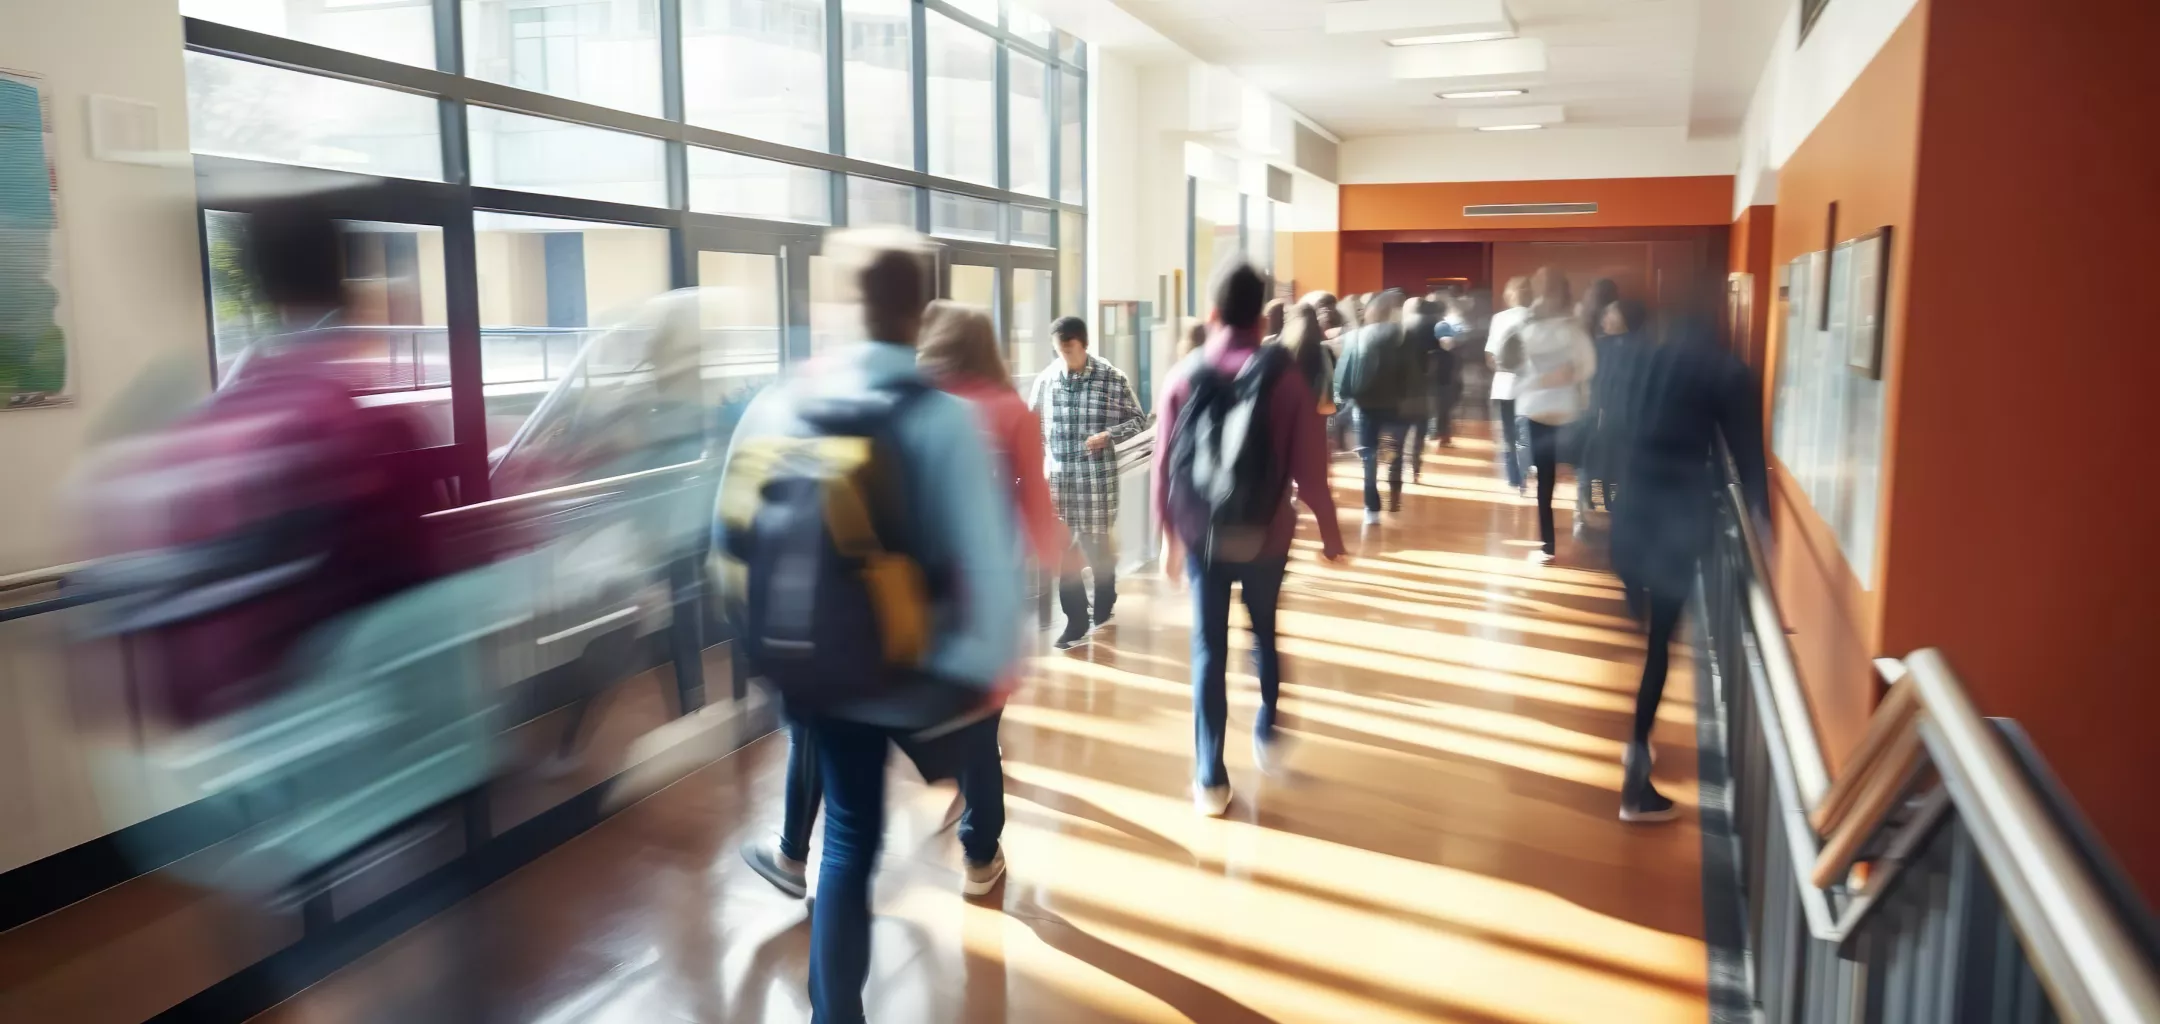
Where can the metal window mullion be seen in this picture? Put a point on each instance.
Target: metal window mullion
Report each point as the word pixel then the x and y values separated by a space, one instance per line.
pixel 676 154
pixel 836 103
pixel 919 38
pixel 450 60
pixel 1001 130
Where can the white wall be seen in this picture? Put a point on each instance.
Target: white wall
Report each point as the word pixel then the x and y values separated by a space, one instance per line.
pixel 1802 82
pixel 1113 175
pixel 133 270
pixel 1552 154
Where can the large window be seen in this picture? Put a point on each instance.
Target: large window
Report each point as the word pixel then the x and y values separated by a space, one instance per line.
pixel 963 101
pixel 757 68
pixel 596 51
pixel 877 38
pixel 556 168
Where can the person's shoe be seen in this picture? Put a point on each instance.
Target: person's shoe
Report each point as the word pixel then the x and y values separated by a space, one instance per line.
pixel 979 879
pixel 785 875
pixel 1541 557
pixel 1372 517
pixel 1272 752
pixel 1640 802
pixel 1108 619
pixel 1211 801
pixel 1074 635
pixel 1394 503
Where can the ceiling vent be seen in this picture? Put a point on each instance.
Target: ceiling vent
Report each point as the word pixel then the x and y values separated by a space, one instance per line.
pixel 1528 209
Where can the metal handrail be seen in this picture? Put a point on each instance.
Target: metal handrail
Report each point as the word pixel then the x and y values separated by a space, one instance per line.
pixel 1809 772
pixel 2089 962
pixel 566 492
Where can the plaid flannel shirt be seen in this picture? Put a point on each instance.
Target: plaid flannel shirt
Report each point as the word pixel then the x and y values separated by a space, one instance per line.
pixel 1074 407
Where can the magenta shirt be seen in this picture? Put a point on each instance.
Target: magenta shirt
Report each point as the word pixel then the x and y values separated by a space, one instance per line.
pixel 1299 439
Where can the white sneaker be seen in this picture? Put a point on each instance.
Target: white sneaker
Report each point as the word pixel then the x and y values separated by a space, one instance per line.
pixel 980 879
pixel 1272 753
pixel 1372 518
pixel 1541 558
pixel 1211 801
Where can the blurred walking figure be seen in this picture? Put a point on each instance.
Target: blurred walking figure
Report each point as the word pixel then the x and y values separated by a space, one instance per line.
pixel 1552 385
pixel 1450 332
pixel 1271 321
pixel 1375 377
pixel 1309 356
pixel 1421 319
pixel 1223 494
pixel 1087 407
pixel 1620 344
pixel 910 653
pixel 1504 326
pixel 958 354
pixel 1677 399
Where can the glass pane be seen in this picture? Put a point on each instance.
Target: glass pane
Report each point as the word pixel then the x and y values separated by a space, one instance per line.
pixel 1215 215
pixel 757 69
pixel 878 41
pixel 987 10
pixel 399 30
pixel 977 286
pixel 1029 109
pixel 596 52
pixel 1030 226
pixel 258 112
pixel 740 328
pixel 546 288
pixel 963 102
pixel 875 203
pixel 1072 49
pixel 537 154
pixel 1032 291
pixel 745 186
pixel 957 216
pixel 1072 265
pixel 1030 26
pixel 1072 152
pixel 835 319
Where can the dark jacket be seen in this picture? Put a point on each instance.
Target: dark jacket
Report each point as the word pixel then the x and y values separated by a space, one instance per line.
pixel 1378 357
pixel 1676 401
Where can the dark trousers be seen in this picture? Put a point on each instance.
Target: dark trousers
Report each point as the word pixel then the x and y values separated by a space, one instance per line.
pixel 851 757
pixel 1444 397
pixel 1664 619
pixel 1545 454
pixel 1510 459
pixel 1097 553
pixel 1261 583
pixel 1378 434
pixel 1414 445
pixel 981 780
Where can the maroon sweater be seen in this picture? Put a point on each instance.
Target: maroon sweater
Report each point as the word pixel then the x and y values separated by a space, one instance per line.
pixel 1298 439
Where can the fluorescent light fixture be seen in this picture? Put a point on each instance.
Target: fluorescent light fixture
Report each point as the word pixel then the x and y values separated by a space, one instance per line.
pixel 1453 37
pixel 1473 64
pixel 1511 128
pixel 1481 94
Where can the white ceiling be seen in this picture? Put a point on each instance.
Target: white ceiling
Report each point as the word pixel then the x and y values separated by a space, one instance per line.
pixel 1688 64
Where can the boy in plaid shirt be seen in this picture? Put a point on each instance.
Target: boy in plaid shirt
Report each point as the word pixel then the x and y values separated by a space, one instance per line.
pixel 1086 407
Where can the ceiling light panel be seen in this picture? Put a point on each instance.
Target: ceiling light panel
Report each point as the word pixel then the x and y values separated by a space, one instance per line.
pixel 1511 128
pixel 1453 37
pixel 1469 60
pixel 1493 117
pixel 1481 94
pixel 1417 17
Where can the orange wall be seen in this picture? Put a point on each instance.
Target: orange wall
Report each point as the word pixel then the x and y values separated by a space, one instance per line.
pixel 1362 265
pixel 1315 259
pixel 2041 585
pixel 1622 202
pixel 1865 157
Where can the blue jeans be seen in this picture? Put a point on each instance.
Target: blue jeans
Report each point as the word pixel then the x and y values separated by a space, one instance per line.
pixel 1511 454
pixel 851 756
pixel 1261 582
pixel 1374 431
pixel 982 786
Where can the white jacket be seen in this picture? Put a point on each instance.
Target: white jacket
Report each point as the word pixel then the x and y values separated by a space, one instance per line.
pixel 1553 384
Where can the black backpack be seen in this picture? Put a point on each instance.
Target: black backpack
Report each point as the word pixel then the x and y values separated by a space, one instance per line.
pixel 1226 485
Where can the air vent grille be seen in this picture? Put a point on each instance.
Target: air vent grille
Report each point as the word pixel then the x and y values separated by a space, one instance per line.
pixel 1528 209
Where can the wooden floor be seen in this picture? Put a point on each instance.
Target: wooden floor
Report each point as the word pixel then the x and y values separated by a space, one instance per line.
pixel 1445 848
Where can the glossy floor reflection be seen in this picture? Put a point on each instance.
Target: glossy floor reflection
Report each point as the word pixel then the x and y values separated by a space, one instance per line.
pixel 1445 848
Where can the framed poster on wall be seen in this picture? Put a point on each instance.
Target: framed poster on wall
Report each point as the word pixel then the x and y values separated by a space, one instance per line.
pixel 1870 301
pixel 33 334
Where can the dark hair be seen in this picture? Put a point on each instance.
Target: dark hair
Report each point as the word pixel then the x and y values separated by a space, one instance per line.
pixel 1069 328
pixel 1632 313
pixel 1603 292
pixel 296 249
pixel 893 284
pixel 1302 337
pixel 1239 291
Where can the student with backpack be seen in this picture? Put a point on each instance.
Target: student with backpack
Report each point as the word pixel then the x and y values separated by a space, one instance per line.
pixel 1375 376
pixel 1239 427
pixel 867 552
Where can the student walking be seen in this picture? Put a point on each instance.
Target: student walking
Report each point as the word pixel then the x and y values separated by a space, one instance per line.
pixel 1375 377
pixel 1087 407
pixel 1224 499
pixel 1552 386
pixel 1504 326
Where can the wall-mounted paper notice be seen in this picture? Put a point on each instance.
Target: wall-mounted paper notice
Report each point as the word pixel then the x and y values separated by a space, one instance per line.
pixel 33 344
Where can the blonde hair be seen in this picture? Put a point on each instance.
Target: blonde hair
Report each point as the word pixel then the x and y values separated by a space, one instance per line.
pixel 959 342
